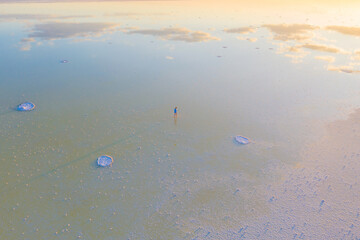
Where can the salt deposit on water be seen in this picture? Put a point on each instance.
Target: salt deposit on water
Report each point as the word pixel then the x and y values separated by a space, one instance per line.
pixel 27 106
pixel 242 140
pixel 105 161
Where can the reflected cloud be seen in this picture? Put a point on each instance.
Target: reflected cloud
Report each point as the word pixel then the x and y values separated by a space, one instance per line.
pixel 25 44
pixel 329 59
pixel 294 52
pixel 298 37
pixel 26 40
pixel 345 69
pixel 294 41
pixel 58 30
pixel 61 30
pixel 288 32
pixel 324 48
pixel 177 34
pixel 242 30
pixel 353 31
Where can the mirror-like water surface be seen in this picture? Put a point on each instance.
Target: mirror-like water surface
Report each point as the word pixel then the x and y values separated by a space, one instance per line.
pixel 105 78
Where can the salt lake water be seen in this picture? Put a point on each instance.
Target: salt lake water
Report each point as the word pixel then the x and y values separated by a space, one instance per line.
pixel 105 78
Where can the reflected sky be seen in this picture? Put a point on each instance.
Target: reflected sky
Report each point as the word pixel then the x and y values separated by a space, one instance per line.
pixel 298 34
pixel 275 72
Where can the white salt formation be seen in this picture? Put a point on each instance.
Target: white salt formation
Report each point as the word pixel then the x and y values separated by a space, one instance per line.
pixel 105 161
pixel 27 106
pixel 242 140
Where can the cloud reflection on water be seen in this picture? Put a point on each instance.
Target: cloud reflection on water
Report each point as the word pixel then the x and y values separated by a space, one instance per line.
pixel 58 30
pixel 345 69
pixel 63 30
pixel 287 32
pixel 324 48
pixel 295 40
pixel 177 34
pixel 353 31
pixel 241 30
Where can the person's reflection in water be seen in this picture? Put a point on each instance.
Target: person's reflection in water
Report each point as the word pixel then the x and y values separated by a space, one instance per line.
pixel 175 115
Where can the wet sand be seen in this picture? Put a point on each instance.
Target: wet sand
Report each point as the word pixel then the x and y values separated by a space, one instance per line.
pixel 319 198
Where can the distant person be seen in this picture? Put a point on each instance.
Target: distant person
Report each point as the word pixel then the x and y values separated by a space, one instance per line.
pixel 175 115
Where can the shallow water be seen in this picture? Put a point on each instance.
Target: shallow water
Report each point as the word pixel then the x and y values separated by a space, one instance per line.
pixel 279 74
